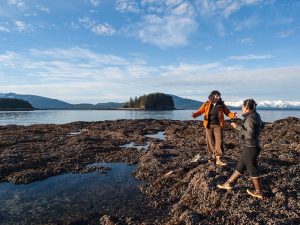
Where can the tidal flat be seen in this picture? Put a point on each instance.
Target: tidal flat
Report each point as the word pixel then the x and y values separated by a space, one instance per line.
pixel 140 172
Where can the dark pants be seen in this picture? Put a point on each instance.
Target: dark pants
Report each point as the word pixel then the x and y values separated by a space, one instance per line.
pixel 214 140
pixel 248 160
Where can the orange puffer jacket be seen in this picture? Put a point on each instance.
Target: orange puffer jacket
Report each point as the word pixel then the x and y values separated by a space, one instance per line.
pixel 222 109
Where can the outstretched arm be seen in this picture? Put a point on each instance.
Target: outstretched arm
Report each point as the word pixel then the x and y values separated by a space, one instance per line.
pixel 200 111
pixel 228 113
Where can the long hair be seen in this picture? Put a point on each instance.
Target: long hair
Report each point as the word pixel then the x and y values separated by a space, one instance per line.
pixel 250 104
pixel 211 95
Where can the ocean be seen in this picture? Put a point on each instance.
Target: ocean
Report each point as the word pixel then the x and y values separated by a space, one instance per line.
pixel 67 116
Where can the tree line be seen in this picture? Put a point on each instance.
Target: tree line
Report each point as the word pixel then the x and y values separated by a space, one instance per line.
pixel 154 101
pixel 13 104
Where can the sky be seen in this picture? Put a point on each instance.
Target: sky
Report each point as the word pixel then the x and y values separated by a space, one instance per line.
pixel 92 51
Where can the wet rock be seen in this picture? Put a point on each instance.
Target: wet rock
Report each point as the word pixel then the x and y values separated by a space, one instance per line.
pixel 108 220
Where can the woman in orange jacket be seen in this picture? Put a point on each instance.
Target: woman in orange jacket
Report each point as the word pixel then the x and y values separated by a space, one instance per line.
pixel 214 110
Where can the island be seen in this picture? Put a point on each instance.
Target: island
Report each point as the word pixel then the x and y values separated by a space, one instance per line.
pixel 12 104
pixel 153 101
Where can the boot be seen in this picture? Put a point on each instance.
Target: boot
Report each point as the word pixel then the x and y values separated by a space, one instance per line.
pixel 257 193
pixel 228 185
pixel 219 161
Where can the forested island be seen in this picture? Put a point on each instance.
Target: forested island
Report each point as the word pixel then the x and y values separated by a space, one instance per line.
pixel 154 101
pixel 12 104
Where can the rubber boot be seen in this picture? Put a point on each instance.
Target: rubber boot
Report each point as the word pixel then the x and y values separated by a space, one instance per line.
pixel 219 162
pixel 228 185
pixel 257 193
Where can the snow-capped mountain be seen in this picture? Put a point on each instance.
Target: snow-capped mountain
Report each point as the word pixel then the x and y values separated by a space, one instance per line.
pixel 277 104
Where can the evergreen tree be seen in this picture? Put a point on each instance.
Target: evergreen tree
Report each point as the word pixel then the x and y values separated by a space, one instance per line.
pixel 14 104
pixel 154 101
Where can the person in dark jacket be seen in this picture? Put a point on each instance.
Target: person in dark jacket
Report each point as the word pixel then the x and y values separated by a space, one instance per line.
pixel 214 110
pixel 249 137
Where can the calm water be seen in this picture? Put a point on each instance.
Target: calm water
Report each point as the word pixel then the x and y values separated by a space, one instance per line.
pixel 64 197
pixel 67 116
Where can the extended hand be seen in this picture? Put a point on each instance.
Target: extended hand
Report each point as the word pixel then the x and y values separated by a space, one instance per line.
pixel 233 125
pixel 194 115
pixel 235 115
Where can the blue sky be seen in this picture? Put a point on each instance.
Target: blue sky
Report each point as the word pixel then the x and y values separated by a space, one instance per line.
pixel 109 50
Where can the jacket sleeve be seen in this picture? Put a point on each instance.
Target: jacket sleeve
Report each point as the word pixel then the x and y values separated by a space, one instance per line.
pixel 227 112
pixel 248 129
pixel 201 110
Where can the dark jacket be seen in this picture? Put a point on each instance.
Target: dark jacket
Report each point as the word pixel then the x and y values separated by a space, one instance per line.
pixel 250 130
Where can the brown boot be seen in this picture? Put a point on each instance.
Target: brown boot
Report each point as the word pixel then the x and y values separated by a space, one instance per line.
pixel 228 185
pixel 257 193
pixel 219 162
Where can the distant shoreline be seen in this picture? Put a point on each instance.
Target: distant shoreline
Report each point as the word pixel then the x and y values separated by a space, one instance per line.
pixel 134 109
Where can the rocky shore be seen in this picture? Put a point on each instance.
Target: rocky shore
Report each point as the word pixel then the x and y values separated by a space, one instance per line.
pixel 178 191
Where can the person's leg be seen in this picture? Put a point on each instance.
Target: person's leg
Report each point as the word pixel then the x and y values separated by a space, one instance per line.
pixel 210 145
pixel 251 164
pixel 228 185
pixel 218 133
pixel 251 155
pixel 210 141
pixel 241 166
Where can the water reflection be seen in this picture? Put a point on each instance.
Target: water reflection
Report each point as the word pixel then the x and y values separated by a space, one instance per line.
pixel 68 197
pixel 136 146
pixel 160 135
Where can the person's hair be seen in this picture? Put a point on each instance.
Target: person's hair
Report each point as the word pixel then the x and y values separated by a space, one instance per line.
pixel 211 95
pixel 250 104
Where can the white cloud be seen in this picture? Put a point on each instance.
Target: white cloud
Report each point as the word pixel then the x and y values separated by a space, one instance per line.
pixel 86 22
pixel 80 55
pixel 3 29
pixel 167 31
pixel 224 8
pixel 104 29
pixel 127 6
pixel 248 23
pixel 286 33
pixel 10 59
pixel 99 29
pixel 95 2
pixel 18 3
pixel 21 26
pixel 246 41
pixel 166 24
pixel 250 57
pixel 43 8
pixel 78 73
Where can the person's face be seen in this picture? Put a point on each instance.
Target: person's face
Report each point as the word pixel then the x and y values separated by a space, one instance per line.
pixel 216 98
pixel 244 109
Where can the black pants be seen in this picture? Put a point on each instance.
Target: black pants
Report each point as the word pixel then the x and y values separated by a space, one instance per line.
pixel 248 160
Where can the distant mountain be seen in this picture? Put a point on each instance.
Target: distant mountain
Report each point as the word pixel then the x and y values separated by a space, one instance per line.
pixel 185 103
pixel 108 105
pixel 39 102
